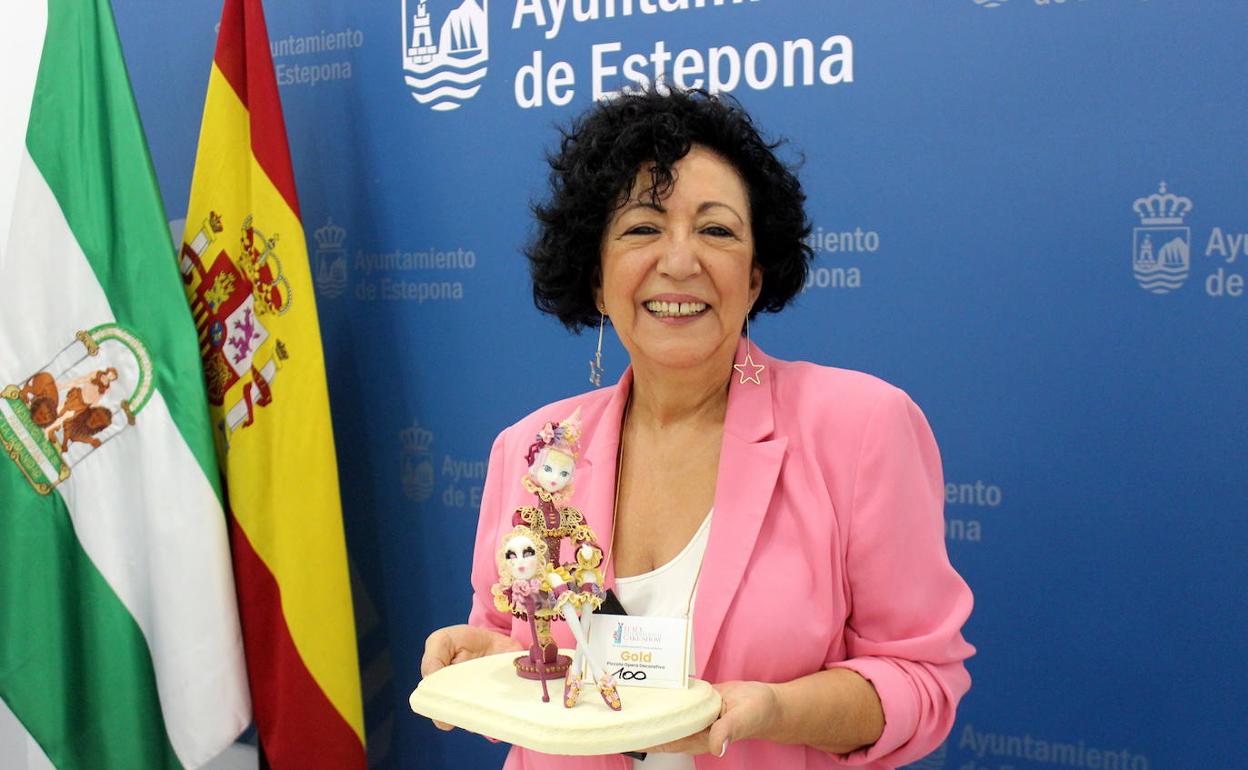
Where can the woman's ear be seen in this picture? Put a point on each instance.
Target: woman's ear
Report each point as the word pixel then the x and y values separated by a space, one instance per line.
pixel 756 283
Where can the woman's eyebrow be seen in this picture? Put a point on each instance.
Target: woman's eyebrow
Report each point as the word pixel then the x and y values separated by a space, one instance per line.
pixel 636 204
pixel 712 204
pixel 654 207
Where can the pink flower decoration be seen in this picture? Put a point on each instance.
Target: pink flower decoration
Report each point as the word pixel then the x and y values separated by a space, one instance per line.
pixel 523 588
pixel 548 433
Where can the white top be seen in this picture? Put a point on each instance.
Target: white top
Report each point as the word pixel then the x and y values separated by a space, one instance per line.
pixel 665 592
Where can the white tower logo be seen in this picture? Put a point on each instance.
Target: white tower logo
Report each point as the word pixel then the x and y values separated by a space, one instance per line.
pixel 446 72
pixel 1161 246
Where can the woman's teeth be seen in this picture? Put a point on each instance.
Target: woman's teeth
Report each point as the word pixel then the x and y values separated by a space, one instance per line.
pixel 674 309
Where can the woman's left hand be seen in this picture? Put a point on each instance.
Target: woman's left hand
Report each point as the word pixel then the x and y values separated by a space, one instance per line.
pixel 748 710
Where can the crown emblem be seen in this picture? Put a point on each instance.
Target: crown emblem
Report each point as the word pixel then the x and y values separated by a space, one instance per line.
pixel 1162 208
pixel 416 440
pixel 259 261
pixel 329 237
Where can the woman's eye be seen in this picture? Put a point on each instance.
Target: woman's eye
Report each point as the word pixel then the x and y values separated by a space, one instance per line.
pixel 719 231
pixel 642 230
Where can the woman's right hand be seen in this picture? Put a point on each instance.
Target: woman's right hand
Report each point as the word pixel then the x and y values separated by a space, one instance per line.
pixel 456 644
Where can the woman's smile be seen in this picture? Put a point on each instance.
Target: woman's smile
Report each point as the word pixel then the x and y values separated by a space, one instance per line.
pixel 675 308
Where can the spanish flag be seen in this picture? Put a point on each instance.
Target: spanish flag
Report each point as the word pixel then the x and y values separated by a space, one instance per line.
pixel 244 264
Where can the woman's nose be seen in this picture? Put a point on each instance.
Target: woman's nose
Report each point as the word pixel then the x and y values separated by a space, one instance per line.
pixel 679 259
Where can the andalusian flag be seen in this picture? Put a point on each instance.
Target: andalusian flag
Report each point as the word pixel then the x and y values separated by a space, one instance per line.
pixel 119 637
pixel 245 266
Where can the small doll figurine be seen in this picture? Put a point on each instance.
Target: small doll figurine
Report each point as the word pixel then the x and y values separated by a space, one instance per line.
pixel 569 590
pixel 588 595
pixel 524 589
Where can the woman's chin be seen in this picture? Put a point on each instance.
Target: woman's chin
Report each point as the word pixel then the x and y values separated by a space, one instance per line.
pixel 677 354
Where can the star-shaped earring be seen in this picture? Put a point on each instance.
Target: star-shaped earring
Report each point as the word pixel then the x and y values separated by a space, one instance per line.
pixel 749 364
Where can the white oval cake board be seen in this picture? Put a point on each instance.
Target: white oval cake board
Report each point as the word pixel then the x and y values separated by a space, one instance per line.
pixel 485 696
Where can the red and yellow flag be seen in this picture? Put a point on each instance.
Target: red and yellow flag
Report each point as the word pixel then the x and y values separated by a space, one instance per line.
pixel 245 265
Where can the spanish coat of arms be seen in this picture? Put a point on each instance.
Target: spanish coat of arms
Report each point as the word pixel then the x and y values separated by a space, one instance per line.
pixel 231 298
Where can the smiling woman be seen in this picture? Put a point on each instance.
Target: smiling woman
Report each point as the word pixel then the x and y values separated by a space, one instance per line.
pixel 626 156
pixel 678 274
pixel 791 513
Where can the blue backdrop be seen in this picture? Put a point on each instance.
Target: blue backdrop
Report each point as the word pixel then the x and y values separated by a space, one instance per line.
pixel 985 181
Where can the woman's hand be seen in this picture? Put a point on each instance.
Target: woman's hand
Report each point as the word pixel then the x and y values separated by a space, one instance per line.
pixel 456 644
pixel 748 710
pixel 835 710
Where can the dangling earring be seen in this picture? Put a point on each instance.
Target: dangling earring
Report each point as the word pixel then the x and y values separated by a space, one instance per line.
pixel 595 364
pixel 748 363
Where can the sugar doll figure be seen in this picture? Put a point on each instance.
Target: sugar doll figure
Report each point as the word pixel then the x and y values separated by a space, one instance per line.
pixel 552 467
pixel 552 464
pixel 524 590
pixel 586 596
pixel 531 587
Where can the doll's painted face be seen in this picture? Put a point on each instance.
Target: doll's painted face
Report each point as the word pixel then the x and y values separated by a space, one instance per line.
pixel 521 556
pixel 553 470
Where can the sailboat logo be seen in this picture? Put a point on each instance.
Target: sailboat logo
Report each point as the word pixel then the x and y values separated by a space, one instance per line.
pixel 446 71
pixel 1161 246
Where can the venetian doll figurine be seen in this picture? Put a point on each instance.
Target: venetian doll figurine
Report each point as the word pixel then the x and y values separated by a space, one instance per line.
pixel 524 589
pixel 577 582
pixel 530 587
pixel 552 464
pixel 586 577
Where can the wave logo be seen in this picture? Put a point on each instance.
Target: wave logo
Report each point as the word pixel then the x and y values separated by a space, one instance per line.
pixel 1161 246
pixel 990 3
pixel 446 73
pixel 934 761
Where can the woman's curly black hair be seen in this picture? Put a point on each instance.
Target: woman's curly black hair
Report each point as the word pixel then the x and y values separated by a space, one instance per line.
pixel 595 168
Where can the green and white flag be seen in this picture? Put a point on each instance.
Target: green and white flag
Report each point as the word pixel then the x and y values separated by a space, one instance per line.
pixel 119 637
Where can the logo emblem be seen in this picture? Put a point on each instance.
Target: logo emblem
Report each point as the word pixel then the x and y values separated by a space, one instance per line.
pixel 618 634
pixel 990 3
pixel 1161 246
pixel 446 71
pixel 89 392
pixel 331 259
pixel 231 299
pixel 417 470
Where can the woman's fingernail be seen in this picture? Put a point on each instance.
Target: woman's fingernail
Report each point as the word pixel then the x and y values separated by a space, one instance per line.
pixel 723 750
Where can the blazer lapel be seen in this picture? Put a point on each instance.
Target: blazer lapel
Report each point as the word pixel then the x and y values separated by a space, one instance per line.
pixel 595 478
pixel 749 466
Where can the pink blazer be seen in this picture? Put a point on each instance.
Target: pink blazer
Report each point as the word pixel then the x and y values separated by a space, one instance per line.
pixel 826 550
